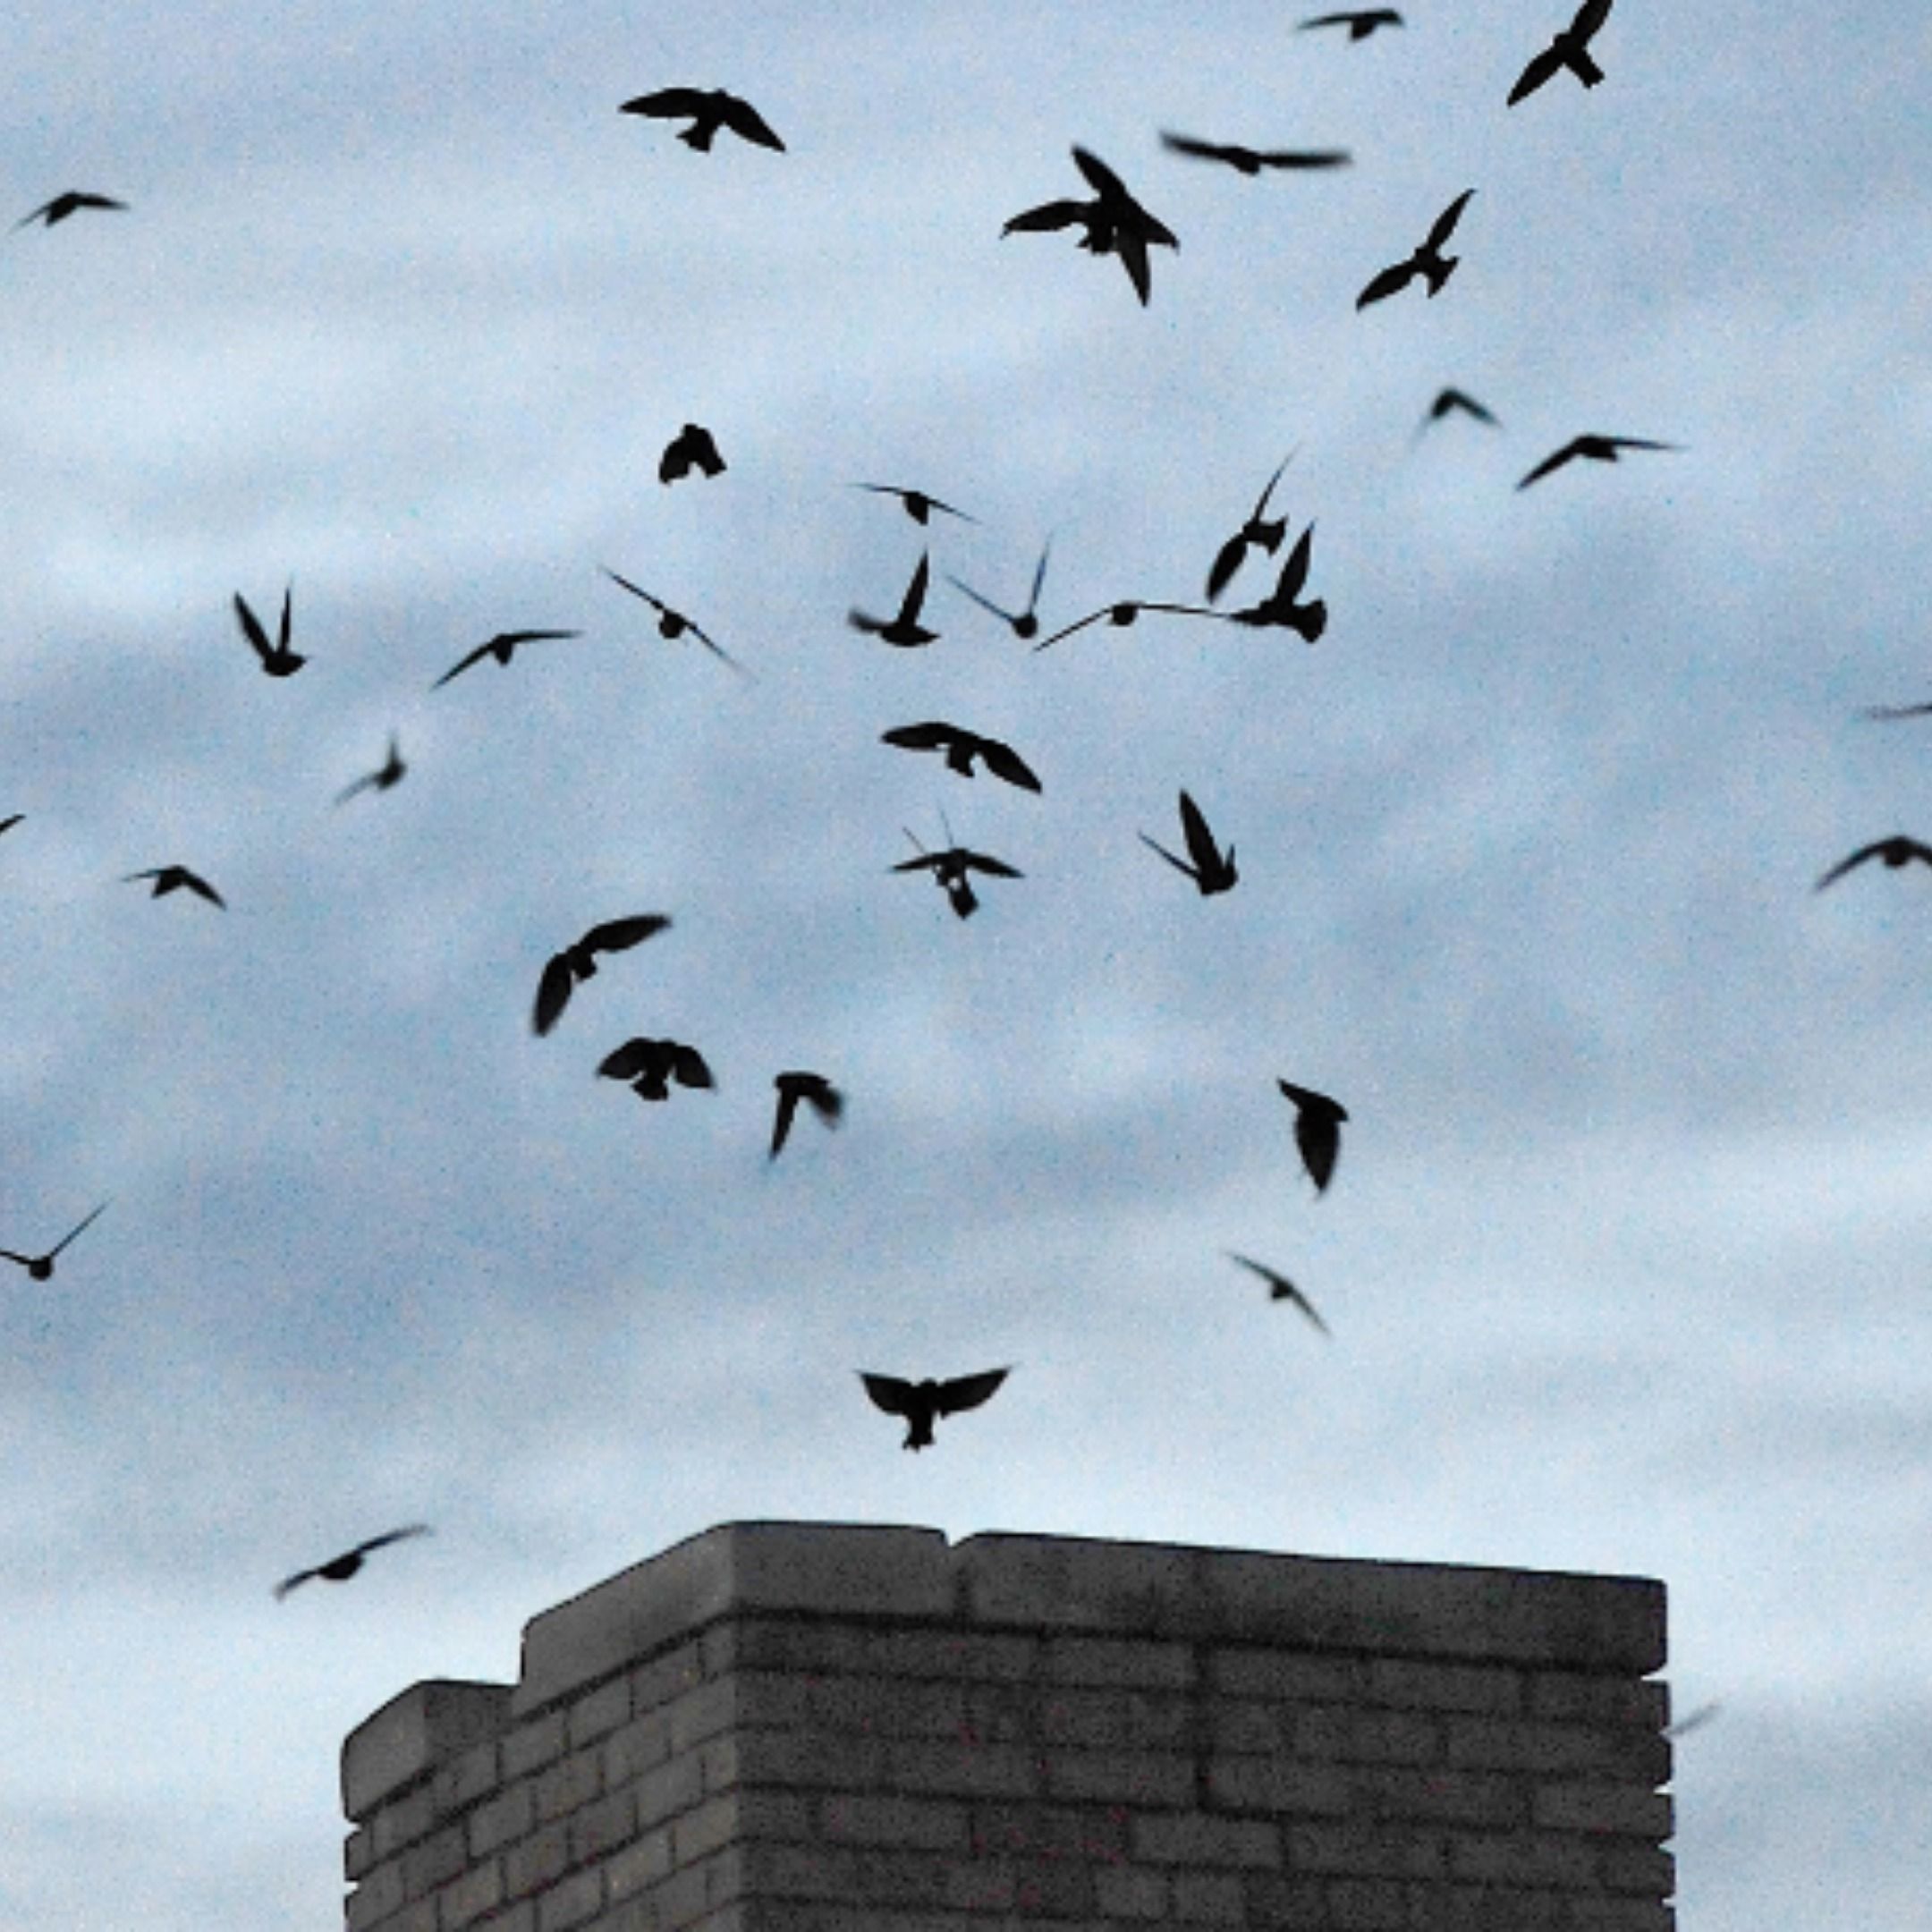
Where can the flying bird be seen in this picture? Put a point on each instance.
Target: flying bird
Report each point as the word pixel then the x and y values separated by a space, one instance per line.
pixel 1597 448
pixel 340 1569
pixel 277 659
pixel 1025 624
pixel 40 1267
pixel 824 1099
pixel 1895 852
pixel 1427 261
pixel 170 878
pixel 1250 161
pixel 1570 48
pixel 1113 221
pixel 1210 868
pixel 10 821
pixel 919 1402
pixel 390 772
pixel 1122 615
pixel 1317 1129
pixel 961 747
pixel 673 624
pixel 1280 1288
pixel 692 447
pixel 1870 711
pixel 503 648
pixel 566 971
pixel 1449 400
pixel 952 870
pixel 903 630
pixel 1263 533
pixel 708 109
pixel 63 205
pixel 651 1066
pixel 1361 22
pixel 1282 606
pixel 919 505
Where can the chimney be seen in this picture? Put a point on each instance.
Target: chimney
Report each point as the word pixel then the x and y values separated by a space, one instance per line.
pixel 830 1727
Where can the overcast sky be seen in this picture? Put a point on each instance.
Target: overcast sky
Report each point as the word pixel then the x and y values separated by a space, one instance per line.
pixel 1625 1257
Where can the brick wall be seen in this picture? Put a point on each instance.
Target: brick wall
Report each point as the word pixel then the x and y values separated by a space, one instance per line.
pixel 799 1727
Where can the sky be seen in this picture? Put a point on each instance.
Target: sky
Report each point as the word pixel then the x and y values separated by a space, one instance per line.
pixel 1624 1256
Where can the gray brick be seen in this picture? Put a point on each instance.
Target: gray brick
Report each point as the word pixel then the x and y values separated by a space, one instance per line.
pixel 1445 1797
pixel 1148 1778
pixel 1360 1848
pixel 1286 1673
pixel 1125 1892
pixel 1592 1697
pixel 644 1863
pixel 434 1860
pixel 536 1861
pixel 571 1902
pixel 531 1746
pixel 671 1788
pixel 1368 1905
pixel 965 1770
pixel 1624 1867
pixel 358 1854
pixel 600 1710
pixel 637 1747
pixel 1484 1690
pixel 1528 1857
pixel 872 1818
pixel 602 1827
pixel 1192 1838
pixel 414 1733
pixel 707 1827
pixel 568 1784
pixel 1627 1809
pixel 498 1820
pixel 466 1779
pixel 1106 1660
pixel 478 1891
pixel 1278 1784
pixel 1209 1898
pixel 1117 1719
pixel 849 1759
pixel 401 1822
pixel 676 1673
pixel 1619 1753
pixel 1368 1737
pixel 1044 1831
pixel 379 1896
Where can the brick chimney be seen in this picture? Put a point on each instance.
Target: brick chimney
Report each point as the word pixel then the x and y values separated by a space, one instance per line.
pixel 827 1727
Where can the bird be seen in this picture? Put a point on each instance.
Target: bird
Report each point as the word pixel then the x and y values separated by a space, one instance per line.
pixel 1448 400
pixel 1025 624
pixel 961 747
pixel 919 505
pixel 1870 711
pixel 709 109
pixel 1895 852
pixel 824 1099
pixel 1693 1720
pixel 1281 606
pixel 1597 448
pixel 40 1266
pixel 903 630
pixel 1122 615
pixel 63 205
pixel 1210 868
pixel 503 648
pixel 10 821
pixel 1250 161
pixel 1361 22
pixel 388 772
pixel 692 447
pixel 1280 1288
pixel 566 971
pixel 651 1066
pixel 1317 1129
pixel 1570 48
pixel 1258 531
pixel 1115 222
pixel 673 624
pixel 951 869
pixel 340 1569
pixel 919 1402
pixel 277 659
pixel 170 878
pixel 1427 261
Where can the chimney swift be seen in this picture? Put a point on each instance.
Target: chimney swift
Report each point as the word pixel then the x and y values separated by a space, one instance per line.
pixel 340 1569
pixel 1895 852
pixel 1361 22
pixel 503 648
pixel 1570 48
pixel 1258 531
pixel 962 748
pixel 172 879
pixel 390 772
pixel 63 205
pixel 1317 1129
pixel 950 870
pixel 1211 869
pixel 1597 448
pixel 1448 400
pixel 277 659
pixel 10 821
pixel 692 447
pixel 903 630
pixel 1113 221
pixel 651 1064
pixel 919 1402
pixel 1250 161
pixel 824 1099
pixel 1427 261
pixel 1280 1288
pixel 1024 624
pixel 577 962
pixel 709 110
pixel 673 624
pixel 917 505
pixel 1870 711
pixel 1122 614
pixel 40 1267
pixel 1280 607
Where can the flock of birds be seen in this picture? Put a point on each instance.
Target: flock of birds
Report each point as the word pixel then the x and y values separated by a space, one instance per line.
pixel 1110 220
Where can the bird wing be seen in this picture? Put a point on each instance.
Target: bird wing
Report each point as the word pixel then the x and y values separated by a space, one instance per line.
pixel 1047 216
pixel 670 103
pixel 967 1391
pixel 687 1067
pixel 1180 865
pixel 1556 459
pixel 1398 276
pixel 281 633
pixel 552 995
pixel 1081 625
pixel 909 607
pixel 1227 561
pixel 1539 70
pixel 1589 17
pixel 891 1394
pixel 625 583
pixel 972 862
pixel 1445 223
pixel 788 1100
pixel 78 1229
pixel 288 1583
pixel 1101 178
pixel 932 737
pixel 360 785
pixel 461 664
pixel 1204 150
pixel 195 883
pixel 827 1101
pixel 1304 158
pixel 619 935
pixel 1294 571
pixel 1003 762
pixel 742 118
pixel 390 1536
pixel 1455 399
pixel 1039 575
pixel 627 1062
pixel 1874 850
pixel 1130 245
pixel 7 1254
pixel 984 604
pixel 1870 711
pixel 10 821
pixel 1200 841
pixel 510 639
pixel 1642 443
pixel 251 628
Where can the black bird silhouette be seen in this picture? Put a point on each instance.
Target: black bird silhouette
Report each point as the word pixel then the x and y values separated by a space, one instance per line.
pixel 824 1099
pixel 692 447
pixel 919 505
pixel 1570 48
pixel 1252 160
pixel 1360 22
pixel 1427 261
pixel 962 748
pixel 1280 1288
pixel 277 659
pixel 340 1569
pixel 1113 221
pixel 673 624
pixel 1597 448
pixel 1317 1129
pixel 708 109
pixel 569 969
pixel 1210 868
pixel 1258 531
pixel 172 879
pixel 1448 400
pixel 40 1266
pixel 1870 711
pixel 1895 852
pixel 1281 608
pixel 1025 624
pixel 919 1402
pixel 651 1066
pixel 904 630
pixel 951 869
pixel 390 772
pixel 63 205
pixel 1122 614
pixel 503 648
pixel 10 821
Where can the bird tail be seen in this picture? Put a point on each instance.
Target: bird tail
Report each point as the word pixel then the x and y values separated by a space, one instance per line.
pixel 1440 271
pixel 1584 68
pixel 1310 620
